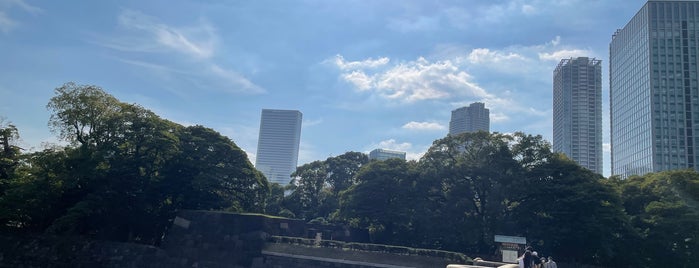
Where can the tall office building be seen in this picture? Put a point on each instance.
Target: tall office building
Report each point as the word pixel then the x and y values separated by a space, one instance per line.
pixel 577 111
pixel 654 94
pixel 472 118
pixel 278 144
pixel 384 154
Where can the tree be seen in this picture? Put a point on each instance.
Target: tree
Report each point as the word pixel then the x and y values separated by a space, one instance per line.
pixel 474 169
pixel 81 113
pixel 9 152
pixel 343 168
pixel 126 172
pixel 570 212
pixel 664 209
pixel 381 201
pixel 308 183
pixel 316 186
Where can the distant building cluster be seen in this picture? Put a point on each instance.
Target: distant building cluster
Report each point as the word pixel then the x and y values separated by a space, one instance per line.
pixel 385 154
pixel 653 93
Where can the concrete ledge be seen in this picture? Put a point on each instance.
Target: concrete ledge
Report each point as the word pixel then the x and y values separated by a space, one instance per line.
pixel 329 260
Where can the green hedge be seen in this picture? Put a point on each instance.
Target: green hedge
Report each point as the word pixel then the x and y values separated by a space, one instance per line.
pixel 448 255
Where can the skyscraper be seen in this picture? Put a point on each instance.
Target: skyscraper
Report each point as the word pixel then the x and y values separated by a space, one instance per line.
pixel 278 144
pixel 471 118
pixel 654 93
pixel 577 111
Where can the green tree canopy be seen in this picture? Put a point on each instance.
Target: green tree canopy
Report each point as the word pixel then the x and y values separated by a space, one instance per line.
pixel 126 172
pixel 664 208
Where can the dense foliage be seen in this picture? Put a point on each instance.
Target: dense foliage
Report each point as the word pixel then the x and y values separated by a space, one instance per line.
pixel 123 175
pixel 126 172
pixel 469 187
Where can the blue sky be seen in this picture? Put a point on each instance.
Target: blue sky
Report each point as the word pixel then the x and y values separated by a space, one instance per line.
pixel 365 74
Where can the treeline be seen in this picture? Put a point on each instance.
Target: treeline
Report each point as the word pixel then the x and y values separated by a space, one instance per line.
pixel 470 187
pixel 126 172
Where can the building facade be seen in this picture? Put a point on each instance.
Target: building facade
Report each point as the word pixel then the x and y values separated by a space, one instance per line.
pixel 472 118
pixel 278 144
pixel 654 94
pixel 577 111
pixel 383 154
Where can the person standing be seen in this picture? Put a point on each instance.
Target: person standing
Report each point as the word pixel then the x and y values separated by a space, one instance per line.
pixel 551 263
pixel 525 261
pixel 536 260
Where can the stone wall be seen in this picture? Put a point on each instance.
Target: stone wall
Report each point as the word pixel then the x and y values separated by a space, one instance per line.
pixel 213 239
pixel 55 251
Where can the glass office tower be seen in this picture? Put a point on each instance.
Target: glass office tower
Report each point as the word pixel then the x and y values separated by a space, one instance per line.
pixel 472 118
pixel 577 111
pixel 278 144
pixel 653 89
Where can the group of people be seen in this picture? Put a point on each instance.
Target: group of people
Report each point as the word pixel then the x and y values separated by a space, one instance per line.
pixel 531 259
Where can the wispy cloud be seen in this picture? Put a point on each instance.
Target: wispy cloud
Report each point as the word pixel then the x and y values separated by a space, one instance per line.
pixel 221 79
pixel 485 55
pixel 21 4
pixel 7 23
pixel 196 46
pixel 343 64
pixel 412 125
pixel 238 82
pixel 310 123
pixel 197 41
pixel 564 54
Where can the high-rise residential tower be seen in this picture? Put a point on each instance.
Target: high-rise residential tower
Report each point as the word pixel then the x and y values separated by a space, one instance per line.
pixel 577 111
pixel 654 93
pixel 278 144
pixel 472 118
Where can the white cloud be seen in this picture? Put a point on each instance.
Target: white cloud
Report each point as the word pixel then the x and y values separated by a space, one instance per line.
pixel 391 144
pixel 251 156
pixel 359 79
pixel 415 81
pixel 234 79
pixel 353 65
pixel 225 80
pixel 7 4
pixel 198 41
pixel 244 136
pixel 412 125
pixel 564 54
pixel 484 55
pixel 529 9
pixel 7 23
pixel 606 147
pixel 310 123
pixel 498 117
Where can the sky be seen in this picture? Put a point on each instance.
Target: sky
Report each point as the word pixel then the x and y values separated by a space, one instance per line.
pixel 365 74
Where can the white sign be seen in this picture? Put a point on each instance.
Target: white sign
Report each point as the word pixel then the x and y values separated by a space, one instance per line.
pixel 511 239
pixel 509 256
